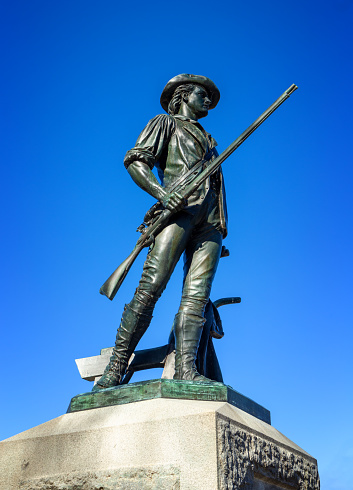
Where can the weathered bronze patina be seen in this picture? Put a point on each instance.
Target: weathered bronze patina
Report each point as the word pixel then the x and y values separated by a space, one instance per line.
pixel 191 219
pixel 167 388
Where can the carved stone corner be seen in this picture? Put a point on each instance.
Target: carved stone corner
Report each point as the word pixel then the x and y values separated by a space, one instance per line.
pixel 248 461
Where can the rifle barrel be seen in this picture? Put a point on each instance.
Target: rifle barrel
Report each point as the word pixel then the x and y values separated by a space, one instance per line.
pixel 190 189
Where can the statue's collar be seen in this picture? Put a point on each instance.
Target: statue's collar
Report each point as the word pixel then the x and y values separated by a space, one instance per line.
pixel 196 130
pixel 184 118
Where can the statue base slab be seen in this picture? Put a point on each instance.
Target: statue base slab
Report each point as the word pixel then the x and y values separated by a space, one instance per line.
pixel 168 388
pixel 156 444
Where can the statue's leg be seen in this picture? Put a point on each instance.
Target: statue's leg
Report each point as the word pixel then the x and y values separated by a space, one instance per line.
pixel 134 322
pixel 137 315
pixel 201 259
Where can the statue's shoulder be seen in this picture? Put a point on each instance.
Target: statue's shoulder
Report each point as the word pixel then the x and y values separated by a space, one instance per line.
pixel 163 123
pixel 162 119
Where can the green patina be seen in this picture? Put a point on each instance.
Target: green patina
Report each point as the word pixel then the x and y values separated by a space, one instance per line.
pixel 167 388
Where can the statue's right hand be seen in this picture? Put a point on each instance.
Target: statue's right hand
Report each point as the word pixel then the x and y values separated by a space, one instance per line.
pixel 174 201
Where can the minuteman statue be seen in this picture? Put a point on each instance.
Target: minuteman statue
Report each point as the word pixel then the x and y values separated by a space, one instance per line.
pixel 174 143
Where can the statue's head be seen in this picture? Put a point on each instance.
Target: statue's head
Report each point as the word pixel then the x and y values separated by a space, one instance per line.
pixel 192 95
pixel 195 91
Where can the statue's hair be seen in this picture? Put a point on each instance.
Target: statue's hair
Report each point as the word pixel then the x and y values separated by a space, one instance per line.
pixel 175 102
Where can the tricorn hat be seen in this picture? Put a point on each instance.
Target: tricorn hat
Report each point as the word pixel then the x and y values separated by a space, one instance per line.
pixel 205 82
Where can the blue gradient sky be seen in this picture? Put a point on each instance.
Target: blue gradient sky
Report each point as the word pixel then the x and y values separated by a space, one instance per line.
pixel 80 80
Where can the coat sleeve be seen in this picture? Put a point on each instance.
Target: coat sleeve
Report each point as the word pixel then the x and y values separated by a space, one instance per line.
pixel 152 141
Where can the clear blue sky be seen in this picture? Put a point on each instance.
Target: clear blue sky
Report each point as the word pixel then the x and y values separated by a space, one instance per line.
pixel 79 81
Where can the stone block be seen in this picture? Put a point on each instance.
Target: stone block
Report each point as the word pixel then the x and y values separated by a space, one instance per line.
pixel 157 444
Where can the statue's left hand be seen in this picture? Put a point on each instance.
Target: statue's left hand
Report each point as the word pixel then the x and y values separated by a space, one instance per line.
pixel 174 201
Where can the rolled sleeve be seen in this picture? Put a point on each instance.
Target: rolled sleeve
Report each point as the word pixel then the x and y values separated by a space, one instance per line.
pixel 144 155
pixel 152 141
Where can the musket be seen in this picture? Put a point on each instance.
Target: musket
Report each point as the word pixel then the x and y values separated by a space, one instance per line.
pixel 113 283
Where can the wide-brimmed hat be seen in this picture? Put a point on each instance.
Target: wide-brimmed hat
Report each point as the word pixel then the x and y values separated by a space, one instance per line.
pixel 169 89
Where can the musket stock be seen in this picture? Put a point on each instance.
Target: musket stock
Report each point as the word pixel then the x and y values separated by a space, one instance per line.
pixel 113 283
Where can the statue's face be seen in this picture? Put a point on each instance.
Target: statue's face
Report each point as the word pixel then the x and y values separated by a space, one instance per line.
pixel 198 102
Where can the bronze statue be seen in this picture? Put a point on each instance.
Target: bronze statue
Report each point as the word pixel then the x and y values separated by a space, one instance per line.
pixel 173 143
pixel 192 200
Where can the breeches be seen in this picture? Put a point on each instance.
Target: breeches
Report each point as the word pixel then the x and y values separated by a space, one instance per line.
pixel 198 238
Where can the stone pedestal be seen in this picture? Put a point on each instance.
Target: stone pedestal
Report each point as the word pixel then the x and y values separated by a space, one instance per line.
pixel 157 443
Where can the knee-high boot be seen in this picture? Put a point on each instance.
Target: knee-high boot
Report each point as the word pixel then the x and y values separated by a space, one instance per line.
pixel 133 325
pixel 188 329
